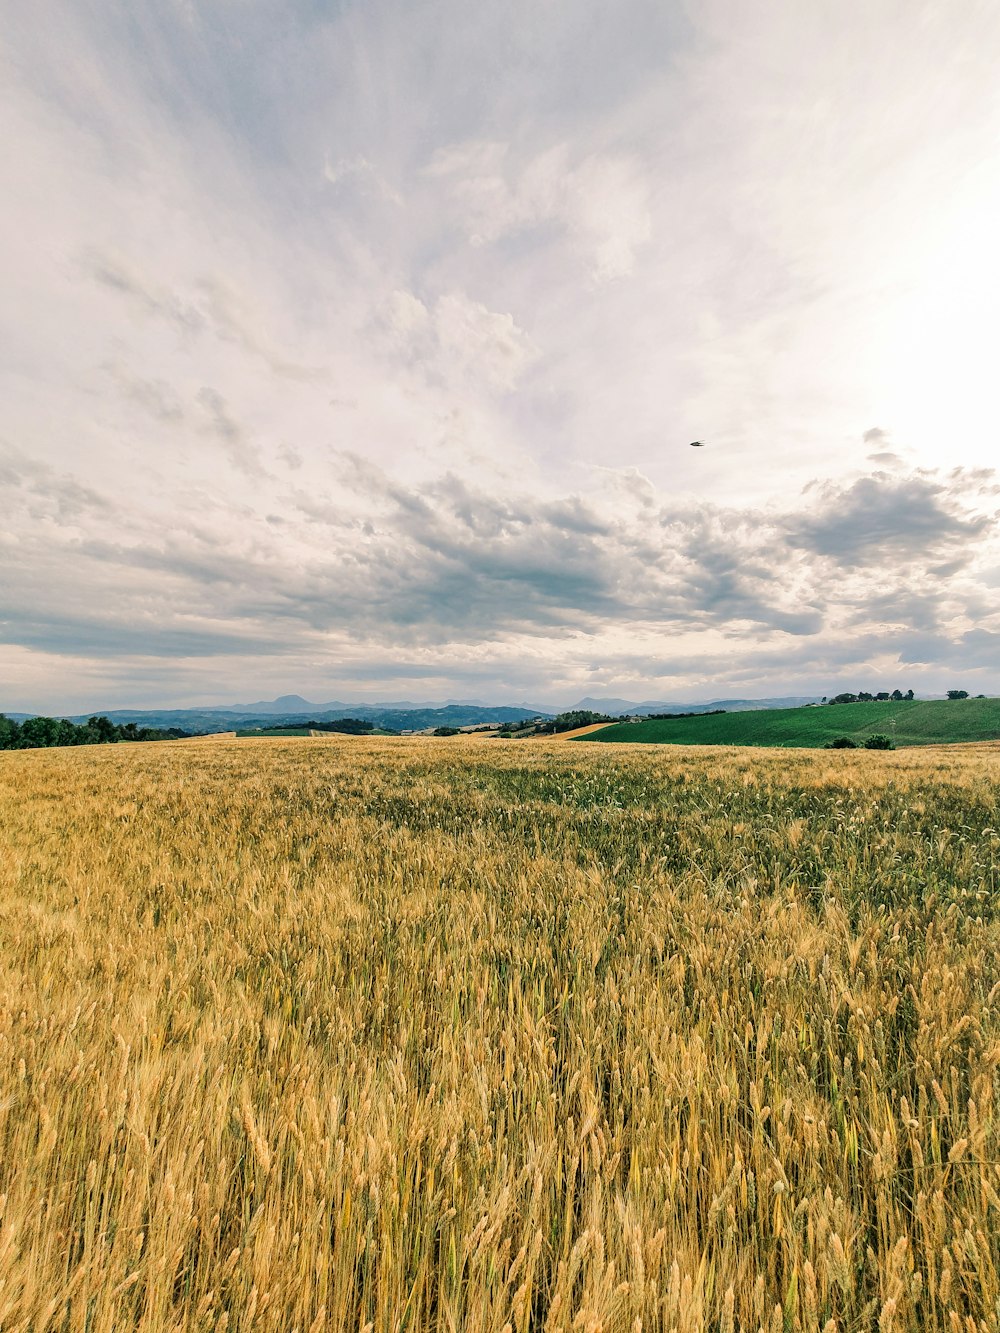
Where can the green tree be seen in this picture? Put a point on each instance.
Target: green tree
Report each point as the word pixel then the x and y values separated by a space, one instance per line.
pixel 39 733
pixel 578 717
pixel 879 742
pixel 105 729
pixel 68 732
pixel 958 694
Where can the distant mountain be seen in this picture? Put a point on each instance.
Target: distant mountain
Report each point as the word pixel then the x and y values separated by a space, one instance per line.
pixel 286 703
pixel 613 707
pixel 406 715
pixel 414 718
pixel 402 717
pixel 295 704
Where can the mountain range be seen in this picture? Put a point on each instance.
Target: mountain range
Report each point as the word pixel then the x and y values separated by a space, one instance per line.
pixel 400 715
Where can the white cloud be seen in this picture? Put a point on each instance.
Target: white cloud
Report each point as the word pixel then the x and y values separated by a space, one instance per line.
pixel 361 174
pixel 459 340
pixel 600 201
pixel 482 341
pixel 369 569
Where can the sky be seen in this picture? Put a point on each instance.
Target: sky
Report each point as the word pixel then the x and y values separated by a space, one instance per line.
pixel 354 349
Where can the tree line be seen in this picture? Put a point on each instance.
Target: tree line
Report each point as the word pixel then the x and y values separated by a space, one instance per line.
pixel 576 717
pixel 883 696
pixel 863 697
pixel 39 733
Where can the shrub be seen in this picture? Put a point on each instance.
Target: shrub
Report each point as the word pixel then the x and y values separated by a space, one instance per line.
pixel 841 743
pixel 879 742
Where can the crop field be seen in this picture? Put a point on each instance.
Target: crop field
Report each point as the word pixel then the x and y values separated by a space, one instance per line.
pixel 907 722
pixel 284 734
pixel 467 1035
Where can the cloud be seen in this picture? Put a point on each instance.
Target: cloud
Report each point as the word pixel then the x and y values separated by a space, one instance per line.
pixel 459 339
pixel 213 305
pixel 599 201
pixel 220 423
pixel 447 571
pixel 155 397
pixel 359 173
pixel 881 520
pixel 44 493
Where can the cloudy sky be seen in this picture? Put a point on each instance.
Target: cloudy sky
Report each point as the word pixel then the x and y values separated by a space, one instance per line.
pixel 354 349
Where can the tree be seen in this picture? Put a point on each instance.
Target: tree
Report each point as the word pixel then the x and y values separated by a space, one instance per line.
pixel 879 742
pixel 38 733
pixel 958 694
pixel 105 729
pixel 908 694
pixel 841 743
pixel 579 717
pixel 882 696
pixel 69 732
pixel 897 695
pixel 10 733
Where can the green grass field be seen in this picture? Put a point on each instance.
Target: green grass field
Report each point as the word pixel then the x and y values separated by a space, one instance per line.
pixel 909 722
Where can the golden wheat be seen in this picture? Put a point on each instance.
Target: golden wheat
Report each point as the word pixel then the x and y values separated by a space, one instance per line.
pixel 338 1034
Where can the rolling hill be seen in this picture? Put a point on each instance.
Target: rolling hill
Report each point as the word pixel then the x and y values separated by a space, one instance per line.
pixel 388 716
pixel 618 707
pixel 908 722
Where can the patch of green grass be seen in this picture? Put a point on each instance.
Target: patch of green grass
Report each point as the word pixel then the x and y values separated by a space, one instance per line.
pixel 907 722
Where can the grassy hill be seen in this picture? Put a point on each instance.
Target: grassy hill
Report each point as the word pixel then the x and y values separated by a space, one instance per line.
pixel 908 722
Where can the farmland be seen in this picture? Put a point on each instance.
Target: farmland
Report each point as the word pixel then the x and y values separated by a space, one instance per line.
pixel 349 1033
pixel 907 722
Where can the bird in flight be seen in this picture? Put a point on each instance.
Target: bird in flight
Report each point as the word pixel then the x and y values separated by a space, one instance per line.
pixel 697 444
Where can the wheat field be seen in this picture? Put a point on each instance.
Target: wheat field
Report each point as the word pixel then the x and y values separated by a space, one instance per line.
pixel 345 1034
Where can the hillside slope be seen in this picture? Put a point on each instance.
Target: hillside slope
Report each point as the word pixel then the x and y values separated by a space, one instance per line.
pixel 908 722
pixel 381 715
